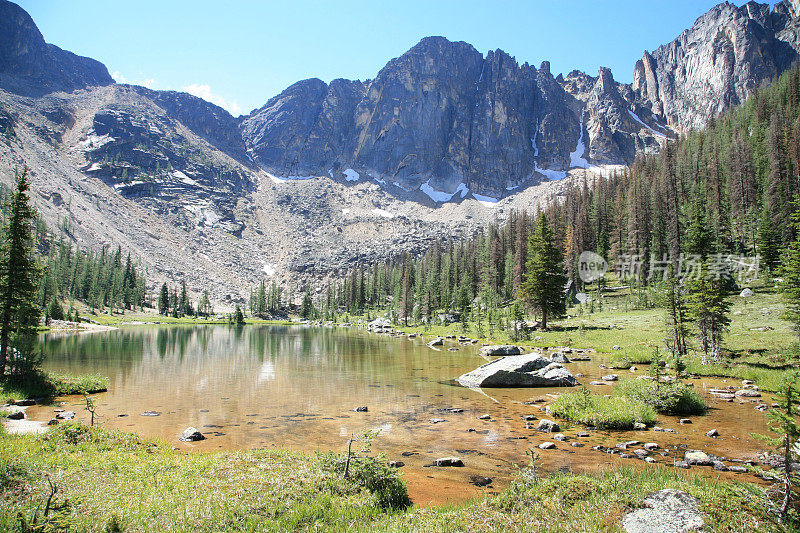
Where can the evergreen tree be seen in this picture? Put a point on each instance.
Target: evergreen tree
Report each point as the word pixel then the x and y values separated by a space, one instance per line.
pixel 675 316
pixel 204 307
pixel 790 272
pixel 19 280
pixel 783 422
pixel 707 305
pixel 238 317
pixel 768 241
pixel 163 300
pixel 544 281
pixel 307 307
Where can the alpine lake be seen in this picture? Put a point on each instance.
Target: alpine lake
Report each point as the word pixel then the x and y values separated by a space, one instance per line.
pixel 298 387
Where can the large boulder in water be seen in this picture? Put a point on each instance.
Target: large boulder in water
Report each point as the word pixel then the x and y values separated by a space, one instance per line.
pixel 501 349
pixel 530 370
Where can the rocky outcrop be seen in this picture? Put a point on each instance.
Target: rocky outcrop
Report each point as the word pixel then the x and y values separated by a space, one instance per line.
pixel 30 66
pixel 718 62
pixel 531 370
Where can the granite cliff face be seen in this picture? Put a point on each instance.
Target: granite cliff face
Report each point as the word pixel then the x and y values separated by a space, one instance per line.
pixel 441 119
pixel 718 62
pixel 441 141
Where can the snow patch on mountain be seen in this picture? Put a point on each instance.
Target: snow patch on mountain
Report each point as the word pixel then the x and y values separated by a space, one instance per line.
pixel 487 201
pixel 351 175
pixel 383 213
pixel 441 196
pixel 576 158
pixel 635 117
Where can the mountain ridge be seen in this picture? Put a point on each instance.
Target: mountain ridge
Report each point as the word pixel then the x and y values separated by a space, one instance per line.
pixel 441 141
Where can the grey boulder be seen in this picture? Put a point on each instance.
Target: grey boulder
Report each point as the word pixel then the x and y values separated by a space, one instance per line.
pixel 531 370
pixel 191 435
pixel 696 457
pixel 501 349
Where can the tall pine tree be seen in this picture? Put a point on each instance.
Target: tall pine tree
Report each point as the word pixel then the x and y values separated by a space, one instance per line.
pixel 543 284
pixel 19 280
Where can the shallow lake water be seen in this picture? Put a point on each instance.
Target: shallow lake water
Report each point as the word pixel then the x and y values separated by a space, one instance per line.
pixel 296 387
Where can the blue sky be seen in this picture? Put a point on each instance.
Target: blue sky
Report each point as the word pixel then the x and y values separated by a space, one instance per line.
pixel 240 53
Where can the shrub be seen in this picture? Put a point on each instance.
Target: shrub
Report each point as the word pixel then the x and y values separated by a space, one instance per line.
pixel 672 398
pixel 373 474
pixel 602 411
pixel 93 438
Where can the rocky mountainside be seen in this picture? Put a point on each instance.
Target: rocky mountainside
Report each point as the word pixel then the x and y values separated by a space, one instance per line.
pixel 718 62
pixel 441 141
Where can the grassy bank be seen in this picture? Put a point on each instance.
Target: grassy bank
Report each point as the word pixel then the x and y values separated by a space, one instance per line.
pixel 49 384
pixel 602 412
pixel 114 481
pixel 673 398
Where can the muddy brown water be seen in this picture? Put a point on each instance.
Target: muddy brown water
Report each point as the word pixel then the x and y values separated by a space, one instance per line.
pixel 296 387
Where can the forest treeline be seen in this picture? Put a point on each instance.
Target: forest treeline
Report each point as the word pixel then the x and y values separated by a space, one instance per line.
pixel 105 279
pixel 726 191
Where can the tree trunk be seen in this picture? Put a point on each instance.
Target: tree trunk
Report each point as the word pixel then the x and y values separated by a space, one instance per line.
pixel 5 325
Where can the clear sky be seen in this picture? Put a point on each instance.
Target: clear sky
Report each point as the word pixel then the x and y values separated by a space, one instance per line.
pixel 240 53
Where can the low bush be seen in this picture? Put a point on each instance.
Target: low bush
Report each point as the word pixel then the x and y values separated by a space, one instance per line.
pixel 602 411
pixel 672 398
pixel 373 474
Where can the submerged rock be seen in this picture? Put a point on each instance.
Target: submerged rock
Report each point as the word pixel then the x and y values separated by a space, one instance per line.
pixel 667 510
pixel 531 370
pixel 480 481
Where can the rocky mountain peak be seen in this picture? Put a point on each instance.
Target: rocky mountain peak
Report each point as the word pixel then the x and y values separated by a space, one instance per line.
pixel 28 65
pixel 605 84
pixel 718 62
